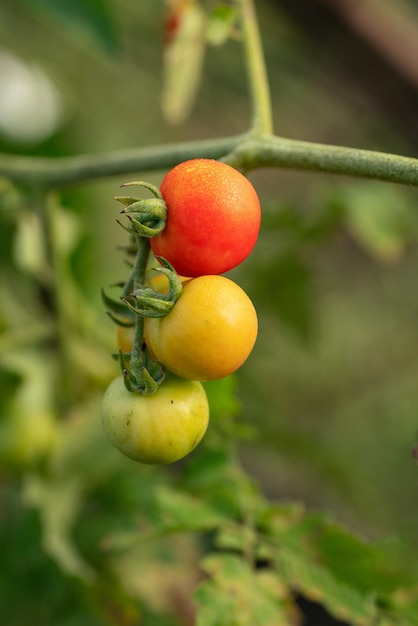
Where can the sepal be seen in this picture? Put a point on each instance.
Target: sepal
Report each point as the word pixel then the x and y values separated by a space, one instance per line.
pixel 147 217
pixel 148 302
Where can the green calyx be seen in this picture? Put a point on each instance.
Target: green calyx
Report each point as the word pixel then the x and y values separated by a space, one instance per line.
pixel 141 374
pixel 146 217
pixel 148 302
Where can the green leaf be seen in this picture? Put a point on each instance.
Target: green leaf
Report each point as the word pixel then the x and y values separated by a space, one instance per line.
pixel 380 220
pixel 221 483
pixel 179 511
pixel 276 521
pixel 405 607
pixel 236 538
pixel 236 595
pixel 380 567
pixel 59 504
pixel 328 564
pixel 318 584
pixel 365 566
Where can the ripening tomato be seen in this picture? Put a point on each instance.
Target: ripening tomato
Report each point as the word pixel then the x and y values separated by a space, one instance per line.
pixel 161 428
pixel 209 332
pixel 213 218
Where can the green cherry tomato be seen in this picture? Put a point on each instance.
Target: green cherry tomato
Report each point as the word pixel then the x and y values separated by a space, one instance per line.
pixel 213 218
pixel 161 428
pixel 209 332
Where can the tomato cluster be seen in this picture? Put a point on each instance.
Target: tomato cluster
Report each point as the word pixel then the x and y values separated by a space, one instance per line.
pixel 212 224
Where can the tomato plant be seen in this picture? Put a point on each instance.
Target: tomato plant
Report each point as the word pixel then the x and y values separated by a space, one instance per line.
pixel 209 332
pixel 79 522
pixel 213 218
pixel 161 428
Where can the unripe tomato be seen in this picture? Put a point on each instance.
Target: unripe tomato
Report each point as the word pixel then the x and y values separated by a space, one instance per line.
pixel 213 218
pixel 161 428
pixel 209 332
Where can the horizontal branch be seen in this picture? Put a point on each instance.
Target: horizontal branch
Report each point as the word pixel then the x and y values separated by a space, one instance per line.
pixel 52 172
pixel 274 151
pixel 245 152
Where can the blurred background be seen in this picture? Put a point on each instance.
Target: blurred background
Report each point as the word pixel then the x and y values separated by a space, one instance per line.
pixel 332 384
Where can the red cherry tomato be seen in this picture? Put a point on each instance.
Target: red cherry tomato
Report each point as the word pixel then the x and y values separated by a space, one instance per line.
pixel 213 218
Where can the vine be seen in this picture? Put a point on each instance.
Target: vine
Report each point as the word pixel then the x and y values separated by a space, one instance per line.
pixel 257 555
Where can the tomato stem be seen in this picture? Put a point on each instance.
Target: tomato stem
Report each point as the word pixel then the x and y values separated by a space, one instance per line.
pixel 138 276
pixel 142 374
pixel 141 261
pixel 138 279
pixel 262 122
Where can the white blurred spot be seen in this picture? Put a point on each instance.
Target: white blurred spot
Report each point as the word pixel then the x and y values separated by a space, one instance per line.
pixel 30 105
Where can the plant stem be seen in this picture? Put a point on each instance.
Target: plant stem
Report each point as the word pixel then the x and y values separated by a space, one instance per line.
pixel 137 280
pixel 142 375
pixel 301 155
pixel 62 171
pixel 141 261
pixel 244 151
pixel 262 122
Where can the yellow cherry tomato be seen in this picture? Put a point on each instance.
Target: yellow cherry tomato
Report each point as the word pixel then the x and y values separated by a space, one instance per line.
pixel 161 428
pixel 208 334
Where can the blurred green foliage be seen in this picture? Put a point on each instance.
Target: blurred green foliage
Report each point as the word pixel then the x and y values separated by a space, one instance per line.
pixel 323 413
